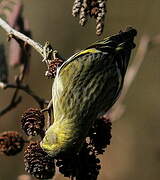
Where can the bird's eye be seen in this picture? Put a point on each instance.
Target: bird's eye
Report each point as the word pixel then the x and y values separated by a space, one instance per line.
pixel 51 139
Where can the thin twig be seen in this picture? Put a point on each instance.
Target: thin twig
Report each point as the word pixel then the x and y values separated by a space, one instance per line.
pixel 27 90
pixel 14 102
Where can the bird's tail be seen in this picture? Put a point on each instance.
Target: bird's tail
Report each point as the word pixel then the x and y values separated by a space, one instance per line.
pixel 118 42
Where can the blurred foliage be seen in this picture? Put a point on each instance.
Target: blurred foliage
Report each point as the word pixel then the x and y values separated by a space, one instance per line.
pixel 6 7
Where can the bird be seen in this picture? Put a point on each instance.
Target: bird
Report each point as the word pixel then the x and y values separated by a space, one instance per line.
pixel 85 85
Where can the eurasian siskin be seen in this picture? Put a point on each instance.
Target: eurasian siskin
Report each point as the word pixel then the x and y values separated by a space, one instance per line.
pixel 85 85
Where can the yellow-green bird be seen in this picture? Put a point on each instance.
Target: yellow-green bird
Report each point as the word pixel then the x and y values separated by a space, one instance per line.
pixel 85 85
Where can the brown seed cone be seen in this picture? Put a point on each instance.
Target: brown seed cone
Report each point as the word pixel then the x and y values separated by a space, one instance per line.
pixel 11 143
pixel 33 122
pixel 100 135
pixel 37 162
pixel 83 166
pixel 52 68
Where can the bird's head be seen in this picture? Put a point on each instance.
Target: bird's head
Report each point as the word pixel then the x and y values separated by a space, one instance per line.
pixel 50 142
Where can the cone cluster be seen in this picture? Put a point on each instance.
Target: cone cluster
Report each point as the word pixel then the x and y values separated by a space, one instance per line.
pixel 11 143
pixel 100 135
pixel 37 162
pixel 92 8
pixel 33 122
pixel 52 67
pixel 85 165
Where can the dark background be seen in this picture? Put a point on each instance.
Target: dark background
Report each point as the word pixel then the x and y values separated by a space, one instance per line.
pixel 134 152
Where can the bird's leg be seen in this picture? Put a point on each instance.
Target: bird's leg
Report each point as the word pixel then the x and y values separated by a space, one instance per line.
pixel 49 109
pixel 49 106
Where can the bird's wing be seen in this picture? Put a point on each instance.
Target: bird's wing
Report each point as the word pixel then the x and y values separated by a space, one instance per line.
pixel 76 55
pixel 82 81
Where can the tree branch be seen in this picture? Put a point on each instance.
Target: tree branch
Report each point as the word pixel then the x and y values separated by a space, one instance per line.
pixel 46 51
pixel 38 47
